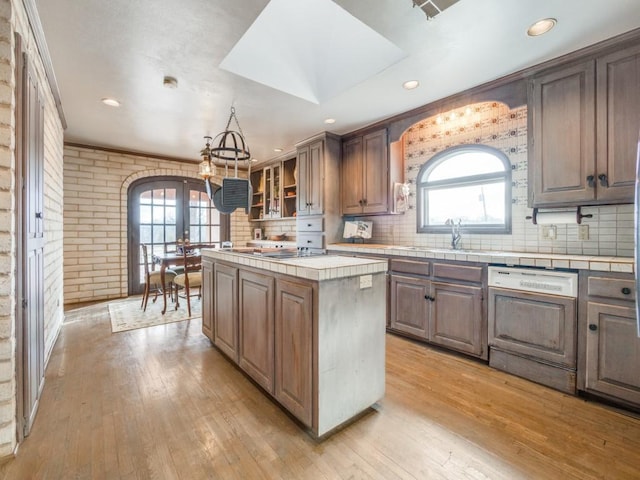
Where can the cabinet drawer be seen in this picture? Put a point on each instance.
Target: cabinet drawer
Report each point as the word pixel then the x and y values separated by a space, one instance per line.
pixel 310 224
pixel 458 272
pixel 409 266
pixel 612 288
pixel 310 240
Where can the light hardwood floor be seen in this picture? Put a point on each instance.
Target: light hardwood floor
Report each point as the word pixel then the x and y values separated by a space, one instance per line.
pixel 162 403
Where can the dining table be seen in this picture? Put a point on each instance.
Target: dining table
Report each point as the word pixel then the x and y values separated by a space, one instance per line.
pixel 167 260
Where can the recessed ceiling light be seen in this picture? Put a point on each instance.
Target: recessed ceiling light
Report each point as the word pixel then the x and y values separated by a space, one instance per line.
pixel 277 150
pixel 410 84
pixel 112 102
pixel 330 120
pixel 170 82
pixel 541 27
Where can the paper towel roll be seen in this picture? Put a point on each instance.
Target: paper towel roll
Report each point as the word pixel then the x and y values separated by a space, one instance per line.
pixel 556 218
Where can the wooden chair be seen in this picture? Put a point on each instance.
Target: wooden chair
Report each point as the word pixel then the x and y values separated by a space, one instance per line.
pixel 152 277
pixel 191 278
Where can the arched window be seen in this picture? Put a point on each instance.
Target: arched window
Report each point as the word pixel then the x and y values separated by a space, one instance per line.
pixel 467 183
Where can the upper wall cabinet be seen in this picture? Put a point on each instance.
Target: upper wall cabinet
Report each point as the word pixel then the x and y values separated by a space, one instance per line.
pixel 584 122
pixel 368 173
pixel 274 191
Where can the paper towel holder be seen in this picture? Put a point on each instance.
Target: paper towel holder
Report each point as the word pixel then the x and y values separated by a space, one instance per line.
pixel 579 216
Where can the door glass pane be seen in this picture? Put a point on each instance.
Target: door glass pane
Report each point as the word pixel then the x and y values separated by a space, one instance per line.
pixel 145 214
pixel 170 214
pixel 145 233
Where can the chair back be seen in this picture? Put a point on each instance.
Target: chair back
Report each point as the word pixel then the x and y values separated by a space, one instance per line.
pixel 145 259
pixel 192 261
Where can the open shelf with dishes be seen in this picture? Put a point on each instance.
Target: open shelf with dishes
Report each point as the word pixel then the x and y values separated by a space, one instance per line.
pixel 274 190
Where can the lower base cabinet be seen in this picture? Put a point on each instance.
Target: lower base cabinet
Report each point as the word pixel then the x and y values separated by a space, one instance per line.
pixel 443 313
pixel 318 356
pixel 293 347
pixel 610 344
pixel 255 325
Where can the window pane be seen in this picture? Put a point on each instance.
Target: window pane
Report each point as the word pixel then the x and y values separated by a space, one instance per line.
pixel 145 198
pixel 170 215
pixel 215 216
pixel 170 233
pixel 170 196
pixel 474 205
pixel 158 214
pixel 194 235
pixel 158 197
pixel 158 234
pixel 145 214
pixel 145 234
pixel 215 234
pixel 465 164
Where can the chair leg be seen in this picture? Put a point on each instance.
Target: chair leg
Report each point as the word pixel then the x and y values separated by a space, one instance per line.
pixel 177 296
pixel 145 296
pixel 188 301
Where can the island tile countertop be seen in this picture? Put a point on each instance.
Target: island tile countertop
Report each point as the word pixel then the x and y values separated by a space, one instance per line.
pixel 542 260
pixel 316 267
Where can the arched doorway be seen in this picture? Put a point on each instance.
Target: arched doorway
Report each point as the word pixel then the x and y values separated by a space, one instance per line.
pixel 166 209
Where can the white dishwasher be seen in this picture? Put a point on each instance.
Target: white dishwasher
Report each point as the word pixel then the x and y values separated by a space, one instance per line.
pixel 532 324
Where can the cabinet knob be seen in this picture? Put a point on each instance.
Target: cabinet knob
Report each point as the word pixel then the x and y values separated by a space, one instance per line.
pixel 427 297
pixel 38 214
pixel 626 290
pixel 591 181
pixel 603 180
pixel 593 327
pixel 360 202
pixel 364 201
pixel 309 241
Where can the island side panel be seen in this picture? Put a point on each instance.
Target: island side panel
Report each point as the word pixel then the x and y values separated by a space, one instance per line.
pixel 351 348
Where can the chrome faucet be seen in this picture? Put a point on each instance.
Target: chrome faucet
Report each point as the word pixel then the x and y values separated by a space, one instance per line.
pixel 455 232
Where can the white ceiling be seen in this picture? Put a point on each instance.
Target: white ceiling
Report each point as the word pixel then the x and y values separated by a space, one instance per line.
pixel 124 48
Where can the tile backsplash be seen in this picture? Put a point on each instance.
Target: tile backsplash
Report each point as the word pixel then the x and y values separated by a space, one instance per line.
pixel 494 124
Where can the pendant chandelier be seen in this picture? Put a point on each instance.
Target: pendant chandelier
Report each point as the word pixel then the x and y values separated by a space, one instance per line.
pixel 227 145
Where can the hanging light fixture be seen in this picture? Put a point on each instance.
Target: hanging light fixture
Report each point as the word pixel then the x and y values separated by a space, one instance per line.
pixel 207 167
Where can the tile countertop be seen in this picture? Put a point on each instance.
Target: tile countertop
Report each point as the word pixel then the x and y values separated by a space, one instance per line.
pixel 543 260
pixel 319 267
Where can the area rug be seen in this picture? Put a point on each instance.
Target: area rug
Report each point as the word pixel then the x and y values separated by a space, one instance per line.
pixel 127 314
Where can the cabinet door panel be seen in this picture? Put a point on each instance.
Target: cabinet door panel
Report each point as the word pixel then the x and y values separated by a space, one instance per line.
pixel 456 317
pixel 294 348
pixel 207 298
pixel 534 325
pixel 618 123
pixel 315 193
pixel 225 310
pixel 410 305
pixel 613 351
pixel 303 181
pixel 352 177
pixel 562 136
pixel 256 327
pixel 375 173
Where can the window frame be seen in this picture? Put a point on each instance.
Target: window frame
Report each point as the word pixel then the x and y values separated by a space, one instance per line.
pixel 422 187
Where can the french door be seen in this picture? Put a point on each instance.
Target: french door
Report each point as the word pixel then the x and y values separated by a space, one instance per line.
pixel 168 209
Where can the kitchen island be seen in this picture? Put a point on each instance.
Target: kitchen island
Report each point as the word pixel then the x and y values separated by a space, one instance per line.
pixel 310 331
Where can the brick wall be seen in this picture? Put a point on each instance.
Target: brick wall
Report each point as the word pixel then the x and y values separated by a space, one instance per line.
pixel 95 218
pixel 13 19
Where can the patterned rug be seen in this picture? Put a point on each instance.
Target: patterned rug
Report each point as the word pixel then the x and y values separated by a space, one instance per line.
pixel 127 315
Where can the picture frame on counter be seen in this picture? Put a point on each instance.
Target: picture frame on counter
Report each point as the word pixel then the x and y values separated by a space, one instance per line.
pixel 257 234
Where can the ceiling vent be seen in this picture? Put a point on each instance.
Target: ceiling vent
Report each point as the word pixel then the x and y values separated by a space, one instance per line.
pixel 431 8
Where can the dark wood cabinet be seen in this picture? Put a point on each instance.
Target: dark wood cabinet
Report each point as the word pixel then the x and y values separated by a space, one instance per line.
pixel 311 178
pixel 293 347
pixel 456 317
pixel 448 313
pixel 207 300
pixel 610 348
pixel 318 192
pixel 562 137
pixel 618 123
pixel 365 175
pixel 256 327
pixel 410 305
pixel 583 131
pixel 225 310
pixel 368 174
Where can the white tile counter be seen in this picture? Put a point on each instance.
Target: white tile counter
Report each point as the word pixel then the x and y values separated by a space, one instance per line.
pixel 318 267
pixel 542 260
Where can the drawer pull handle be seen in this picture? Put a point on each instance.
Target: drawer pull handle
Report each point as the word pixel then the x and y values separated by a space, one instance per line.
pixel 309 241
pixel 308 224
pixel 431 299
pixel 626 290
pixel 593 327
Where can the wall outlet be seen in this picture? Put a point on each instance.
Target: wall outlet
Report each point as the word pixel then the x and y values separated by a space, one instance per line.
pixel 583 232
pixel 366 281
pixel 549 232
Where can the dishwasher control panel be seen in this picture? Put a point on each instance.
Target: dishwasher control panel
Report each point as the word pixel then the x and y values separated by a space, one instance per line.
pixel 532 280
